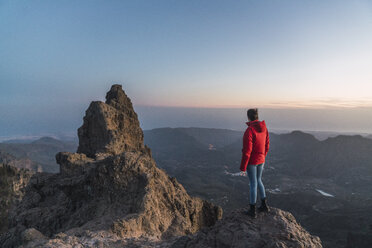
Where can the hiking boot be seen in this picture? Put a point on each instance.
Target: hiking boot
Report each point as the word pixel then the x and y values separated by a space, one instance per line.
pixel 252 211
pixel 263 207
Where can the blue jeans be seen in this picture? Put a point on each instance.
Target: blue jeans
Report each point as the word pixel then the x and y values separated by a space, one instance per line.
pixel 255 175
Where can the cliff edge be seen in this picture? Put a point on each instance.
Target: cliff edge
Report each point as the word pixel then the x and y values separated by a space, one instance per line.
pixel 276 229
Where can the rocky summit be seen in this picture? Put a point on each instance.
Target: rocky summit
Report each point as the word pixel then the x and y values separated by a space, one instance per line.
pixel 276 229
pixel 111 127
pixel 111 194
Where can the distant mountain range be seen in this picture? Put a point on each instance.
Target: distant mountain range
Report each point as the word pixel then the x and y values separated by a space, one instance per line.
pixel 41 152
pixel 21 163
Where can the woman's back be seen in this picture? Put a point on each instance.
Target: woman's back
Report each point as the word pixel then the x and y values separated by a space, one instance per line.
pixel 255 144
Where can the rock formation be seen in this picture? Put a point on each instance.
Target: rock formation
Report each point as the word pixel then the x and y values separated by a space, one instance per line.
pixel 111 186
pixel 276 229
pixel 111 194
pixel 110 127
pixel 12 188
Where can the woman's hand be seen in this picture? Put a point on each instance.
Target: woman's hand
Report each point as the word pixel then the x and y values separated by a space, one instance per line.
pixel 243 173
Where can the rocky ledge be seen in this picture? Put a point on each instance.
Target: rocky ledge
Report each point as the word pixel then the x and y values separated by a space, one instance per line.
pixel 276 229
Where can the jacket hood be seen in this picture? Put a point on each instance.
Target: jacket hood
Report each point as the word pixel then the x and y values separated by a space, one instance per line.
pixel 258 126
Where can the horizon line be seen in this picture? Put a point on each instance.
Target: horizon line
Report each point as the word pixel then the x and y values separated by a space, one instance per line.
pixel 278 106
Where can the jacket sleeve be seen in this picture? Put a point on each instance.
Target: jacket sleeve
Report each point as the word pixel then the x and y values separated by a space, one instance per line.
pixel 247 149
pixel 267 144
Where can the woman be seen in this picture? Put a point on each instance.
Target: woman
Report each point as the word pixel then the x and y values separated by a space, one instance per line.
pixel 255 147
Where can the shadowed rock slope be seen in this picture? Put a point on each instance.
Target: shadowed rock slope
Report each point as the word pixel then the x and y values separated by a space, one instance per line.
pixel 111 194
pixel 12 188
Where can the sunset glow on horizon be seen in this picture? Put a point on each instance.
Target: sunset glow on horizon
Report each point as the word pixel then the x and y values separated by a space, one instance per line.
pixel 57 56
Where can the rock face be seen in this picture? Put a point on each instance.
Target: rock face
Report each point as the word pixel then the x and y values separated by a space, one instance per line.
pixel 110 127
pixel 12 188
pixel 276 229
pixel 111 188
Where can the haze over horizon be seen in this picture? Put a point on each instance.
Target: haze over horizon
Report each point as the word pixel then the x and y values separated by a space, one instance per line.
pixel 306 65
pixel 284 120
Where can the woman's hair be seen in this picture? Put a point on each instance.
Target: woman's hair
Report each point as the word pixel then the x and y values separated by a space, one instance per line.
pixel 252 114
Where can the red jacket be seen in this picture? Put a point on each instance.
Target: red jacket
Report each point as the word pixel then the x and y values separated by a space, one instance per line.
pixel 255 144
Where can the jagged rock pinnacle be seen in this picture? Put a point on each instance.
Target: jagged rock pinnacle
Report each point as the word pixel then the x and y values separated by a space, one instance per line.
pixel 117 196
pixel 111 127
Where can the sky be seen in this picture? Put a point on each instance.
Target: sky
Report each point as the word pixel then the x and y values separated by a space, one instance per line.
pixel 289 58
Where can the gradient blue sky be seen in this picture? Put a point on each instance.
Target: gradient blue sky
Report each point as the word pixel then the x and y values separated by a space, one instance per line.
pixel 57 56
